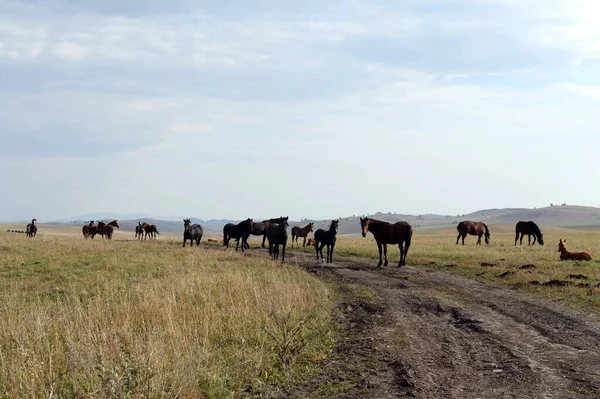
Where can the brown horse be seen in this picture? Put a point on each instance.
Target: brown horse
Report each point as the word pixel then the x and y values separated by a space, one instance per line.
pixel 566 255
pixel 86 229
pixel 298 231
pixel 108 228
pixel 326 238
pixel 386 233
pixel 531 229
pixel 150 230
pixel 31 229
pixel 473 228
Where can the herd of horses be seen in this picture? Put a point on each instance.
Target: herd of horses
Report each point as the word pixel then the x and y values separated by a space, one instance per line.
pixel 275 232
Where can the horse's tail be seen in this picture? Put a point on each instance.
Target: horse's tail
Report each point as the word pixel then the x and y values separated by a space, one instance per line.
pixel 487 231
pixel 460 226
pixel 156 230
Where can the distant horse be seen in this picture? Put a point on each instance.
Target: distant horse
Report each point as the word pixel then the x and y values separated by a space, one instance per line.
pixel 241 230
pixel 31 229
pixel 566 255
pixel 473 228
pixel 326 237
pixel 531 229
pixel 387 233
pixel 301 232
pixel 277 235
pixel 260 229
pixel 107 229
pixel 192 232
pixel 150 230
pixel 86 229
pixel 139 231
pixel 310 242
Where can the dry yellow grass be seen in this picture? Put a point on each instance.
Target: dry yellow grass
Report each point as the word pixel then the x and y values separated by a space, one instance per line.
pixel 130 319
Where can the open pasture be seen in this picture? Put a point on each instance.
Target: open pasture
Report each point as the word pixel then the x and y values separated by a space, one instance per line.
pixel 129 319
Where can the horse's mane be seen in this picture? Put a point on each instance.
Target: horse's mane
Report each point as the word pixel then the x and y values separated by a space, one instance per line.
pixel 378 221
pixel 536 228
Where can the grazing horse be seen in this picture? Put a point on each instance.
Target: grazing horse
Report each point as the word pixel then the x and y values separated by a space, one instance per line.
pixel 326 237
pixel 260 229
pixel 31 229
pixel 277 235
pixel 566 255
pixel 107 229
pixel 387 233
pixel 531 229
pixel 86 229
pixel 150 230
pixel 241 230
pixel 139 231
pixel 192 232
pixel 473 228
pixel 301 232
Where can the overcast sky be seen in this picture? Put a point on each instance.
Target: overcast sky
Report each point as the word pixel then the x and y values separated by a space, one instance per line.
pixel 309 109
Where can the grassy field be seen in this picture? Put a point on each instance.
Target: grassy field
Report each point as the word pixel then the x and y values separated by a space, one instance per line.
pixel 129 319
pixel 437 249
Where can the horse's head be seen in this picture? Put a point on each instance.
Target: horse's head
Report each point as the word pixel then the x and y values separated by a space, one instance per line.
pixel 115 223
pixel 334 225
pixel 561 245
pixel 91 223
pixel 541 239
pixel 310 226
pixel 186 222
pixel 364 226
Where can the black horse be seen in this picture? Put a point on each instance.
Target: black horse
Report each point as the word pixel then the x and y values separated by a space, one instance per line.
pixel 139 231
pixel 31 229
pixel 260 228
pixel 531 229
pixel 241 230
pixel 326 237
pixel 277 235
pixel 192 232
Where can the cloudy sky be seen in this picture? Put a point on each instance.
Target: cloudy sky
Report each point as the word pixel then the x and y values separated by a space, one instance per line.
pixel 309 109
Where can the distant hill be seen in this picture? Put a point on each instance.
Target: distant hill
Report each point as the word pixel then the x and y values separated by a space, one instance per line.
pixel 558 216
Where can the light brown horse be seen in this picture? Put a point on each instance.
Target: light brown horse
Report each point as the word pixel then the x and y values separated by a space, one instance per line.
pixel 150 230
pixel 566 255
pixel 298 231
pixel 311 242
pixel 473 228
pixel 387 233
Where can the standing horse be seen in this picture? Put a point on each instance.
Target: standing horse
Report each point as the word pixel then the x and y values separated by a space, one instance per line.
pixel 531 229
pixel 277 235
pixel 566 255
pixel 86 229
pixel 298 231
pixel 108 229
pixel 386 233
pixel 326 237
pixel 241 230
pixel 192 232
pixel 150 230
pixel 31 229
pixel 473 228
pixel 260 229
pixel 139 231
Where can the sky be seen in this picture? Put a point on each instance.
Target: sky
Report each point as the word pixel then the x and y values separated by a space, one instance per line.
pixel 235 109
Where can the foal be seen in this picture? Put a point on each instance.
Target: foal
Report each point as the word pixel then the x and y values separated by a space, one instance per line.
pixel 326 237
pixel 301 232
pixel 566 255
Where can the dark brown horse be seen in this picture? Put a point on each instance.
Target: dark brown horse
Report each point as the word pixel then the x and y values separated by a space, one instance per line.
pixel 192 232
pixel 277 235
pixel 31 229
pixel 387 233
pixel 298 231
pixel 150 230
pixel 260 228
pixel 241 230
pixel 531 229
pixel 566 255
pixel 473 228
pixel 107 229
pixel 326 238
pixel 86 229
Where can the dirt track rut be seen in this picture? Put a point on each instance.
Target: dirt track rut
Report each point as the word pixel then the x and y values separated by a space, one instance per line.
pixel 437 335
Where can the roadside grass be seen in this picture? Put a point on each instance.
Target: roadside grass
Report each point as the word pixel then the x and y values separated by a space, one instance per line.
pixel 500 261
pixel 151 319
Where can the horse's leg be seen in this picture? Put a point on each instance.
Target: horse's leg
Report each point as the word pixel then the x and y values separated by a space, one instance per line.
pixel 402 254
pixel 521 239
pixel 331 253
pixel 458 238
pixel 264 238
pixel 385 254
pixel 529 238
pixel 303 242
pixel 379 249
pixel 317 250
pixel 321 252
pixel 479 239
pixel 283 253
pixel 534 239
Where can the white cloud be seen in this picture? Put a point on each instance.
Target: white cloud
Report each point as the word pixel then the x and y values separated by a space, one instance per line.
pixel 71 51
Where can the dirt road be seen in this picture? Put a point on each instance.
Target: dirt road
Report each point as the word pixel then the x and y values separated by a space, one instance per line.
pixel 430 334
